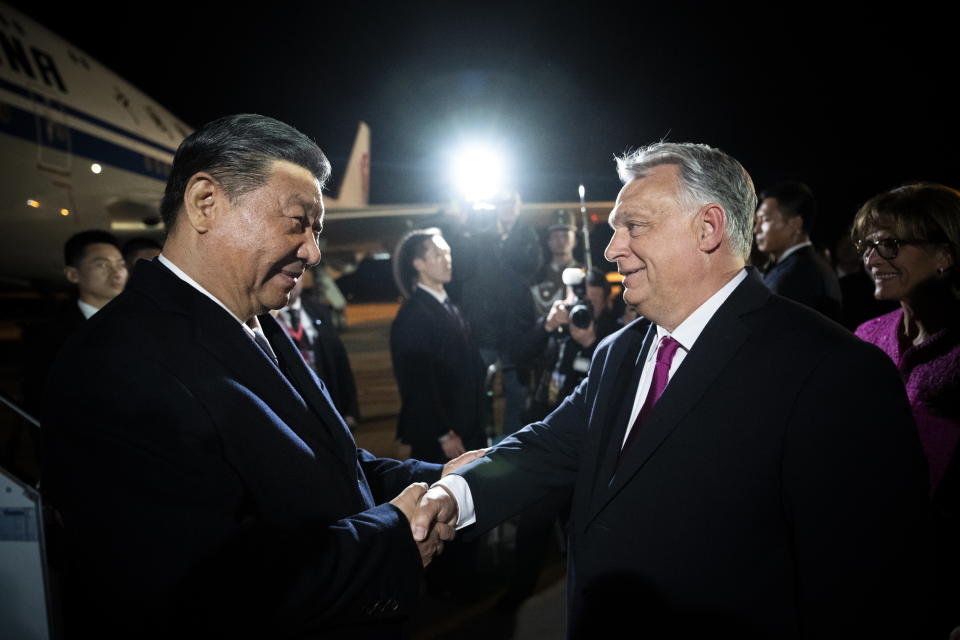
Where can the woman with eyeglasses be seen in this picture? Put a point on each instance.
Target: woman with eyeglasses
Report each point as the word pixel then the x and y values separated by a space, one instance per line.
pixel 909 241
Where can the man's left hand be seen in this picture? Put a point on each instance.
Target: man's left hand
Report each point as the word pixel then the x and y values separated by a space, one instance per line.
pixel 461 460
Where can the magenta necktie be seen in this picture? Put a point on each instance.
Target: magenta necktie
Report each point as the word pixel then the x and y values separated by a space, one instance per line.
pixel 661 373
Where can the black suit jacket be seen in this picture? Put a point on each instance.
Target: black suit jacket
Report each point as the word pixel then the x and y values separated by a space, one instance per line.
pixel 41 344
pixel 204 493
pixel 776 490
pixel 438 371
pixel 330 360
pixel 806 277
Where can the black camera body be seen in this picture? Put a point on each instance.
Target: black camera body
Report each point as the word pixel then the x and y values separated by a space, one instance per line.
pixel 581 311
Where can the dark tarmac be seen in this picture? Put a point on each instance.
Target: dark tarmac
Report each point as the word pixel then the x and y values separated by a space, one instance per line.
pixel 472 612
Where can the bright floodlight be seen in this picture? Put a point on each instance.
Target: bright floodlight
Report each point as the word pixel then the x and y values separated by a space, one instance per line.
pixel 478 173
pixel 581 191
pixel 96 168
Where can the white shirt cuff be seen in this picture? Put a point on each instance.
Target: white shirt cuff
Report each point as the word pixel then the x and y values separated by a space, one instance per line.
pixel 466 515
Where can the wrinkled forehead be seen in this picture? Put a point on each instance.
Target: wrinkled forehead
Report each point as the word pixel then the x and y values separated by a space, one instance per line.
pixel 645 196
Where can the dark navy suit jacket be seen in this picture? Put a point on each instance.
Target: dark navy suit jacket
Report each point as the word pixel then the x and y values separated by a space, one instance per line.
pixel 806 277
pixel 776 490
pixel 205 493
pixel 440 377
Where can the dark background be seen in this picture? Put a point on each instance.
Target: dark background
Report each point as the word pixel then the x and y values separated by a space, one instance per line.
pixel 850 98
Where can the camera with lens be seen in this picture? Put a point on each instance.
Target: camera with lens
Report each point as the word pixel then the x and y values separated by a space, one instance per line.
pixel 581 311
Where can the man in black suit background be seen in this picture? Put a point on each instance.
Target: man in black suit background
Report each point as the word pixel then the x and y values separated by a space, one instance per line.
pixel 785 220
pixel 310 327
pixel 93 263
pixel 435 361
pixel 206 484
pixel 743 468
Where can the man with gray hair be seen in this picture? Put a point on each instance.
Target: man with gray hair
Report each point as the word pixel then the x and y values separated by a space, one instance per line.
pixel 206 484
pixel 707 504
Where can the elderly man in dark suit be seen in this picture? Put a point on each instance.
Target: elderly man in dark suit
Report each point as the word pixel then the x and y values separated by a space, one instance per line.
pixel 206 484
pixel 743 468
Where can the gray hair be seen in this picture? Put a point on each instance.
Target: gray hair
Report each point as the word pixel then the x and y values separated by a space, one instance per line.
pixel 706 175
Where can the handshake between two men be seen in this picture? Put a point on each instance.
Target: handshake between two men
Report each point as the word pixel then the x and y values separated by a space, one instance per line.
pixel 432 513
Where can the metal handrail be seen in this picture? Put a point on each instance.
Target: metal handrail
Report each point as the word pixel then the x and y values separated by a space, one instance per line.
pixel 10 402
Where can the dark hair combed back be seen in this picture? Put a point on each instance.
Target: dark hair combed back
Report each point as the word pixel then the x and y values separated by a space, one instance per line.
pixel 411 246
pixel 794 199
pixel 238 151
pixel 921 211
pixel 133 245
pixel 76 245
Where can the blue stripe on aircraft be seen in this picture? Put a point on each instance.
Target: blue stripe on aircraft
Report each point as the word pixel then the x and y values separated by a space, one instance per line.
pixel 20 123
pixel 36 97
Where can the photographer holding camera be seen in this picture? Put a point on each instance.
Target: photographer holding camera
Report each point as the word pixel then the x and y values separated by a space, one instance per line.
pixel 573 327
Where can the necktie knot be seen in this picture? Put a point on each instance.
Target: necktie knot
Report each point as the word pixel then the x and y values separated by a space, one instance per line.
pixel 668 349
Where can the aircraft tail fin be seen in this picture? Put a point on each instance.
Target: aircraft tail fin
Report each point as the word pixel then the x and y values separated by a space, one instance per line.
pixel 355 185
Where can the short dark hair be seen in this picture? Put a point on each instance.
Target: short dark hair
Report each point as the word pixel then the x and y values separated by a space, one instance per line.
pixel 237 151
pixel 794 199
pixel 411 246
pixel 133 245
pixel 76 245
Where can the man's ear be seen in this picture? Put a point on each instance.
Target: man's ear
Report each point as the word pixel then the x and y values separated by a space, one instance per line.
pixel 72 274
pixel 711 227
pixel 795 223
pixel 202 200
pixel 418 267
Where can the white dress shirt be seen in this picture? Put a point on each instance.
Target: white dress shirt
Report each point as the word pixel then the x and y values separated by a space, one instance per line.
pixel 793 249
pixel 440 297
pixel 686 334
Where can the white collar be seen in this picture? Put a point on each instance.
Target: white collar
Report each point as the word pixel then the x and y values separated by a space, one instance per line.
pixel 690 329
pixel 250 326
pixel 440 297
pixel 793 249
pixel 86 308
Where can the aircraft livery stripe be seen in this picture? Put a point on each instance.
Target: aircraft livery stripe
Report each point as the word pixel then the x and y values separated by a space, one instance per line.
pixel 30 95
pixel 20 123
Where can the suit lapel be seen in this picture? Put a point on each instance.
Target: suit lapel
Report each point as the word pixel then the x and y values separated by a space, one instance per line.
pixel 221 335
pixel 615 380
pixel 719 342
pixel 310 387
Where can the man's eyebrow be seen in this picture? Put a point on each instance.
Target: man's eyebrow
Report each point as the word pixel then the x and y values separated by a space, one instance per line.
pixel 307 204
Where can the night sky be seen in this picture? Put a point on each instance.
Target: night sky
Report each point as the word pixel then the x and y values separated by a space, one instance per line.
pixel 848 98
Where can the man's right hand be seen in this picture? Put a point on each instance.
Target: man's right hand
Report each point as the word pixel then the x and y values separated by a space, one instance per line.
pixel 431 544
pixel 437 509
pixel 559 315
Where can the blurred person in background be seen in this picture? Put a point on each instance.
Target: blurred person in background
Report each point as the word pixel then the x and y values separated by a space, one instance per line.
pixel 94 264
pixel 310 327
pixel 435 360
pixel 502 258
pixel 909 239
pixel 796 270
pixel 140 248
pixel 561 239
